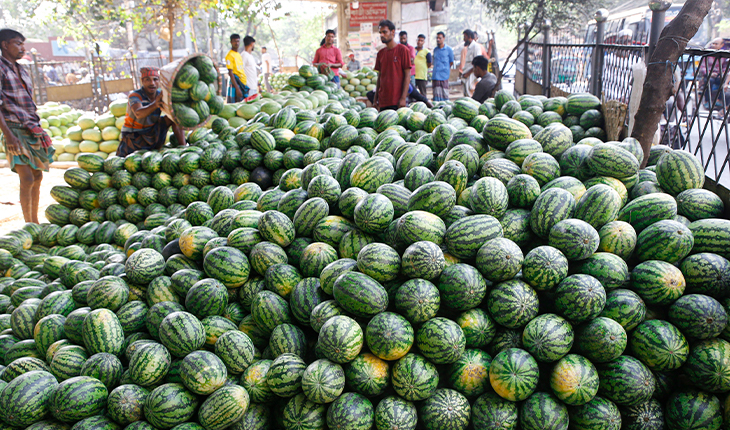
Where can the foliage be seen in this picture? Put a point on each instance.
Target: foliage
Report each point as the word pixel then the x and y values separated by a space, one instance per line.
pixel 563 14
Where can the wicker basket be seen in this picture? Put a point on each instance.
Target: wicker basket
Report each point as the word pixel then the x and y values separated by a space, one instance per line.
pixel 167 80
pixel 614 117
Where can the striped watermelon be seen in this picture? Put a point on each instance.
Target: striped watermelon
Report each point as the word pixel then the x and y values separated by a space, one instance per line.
pixel 284 377
pixel 512 303
pixel 351 410
pixel 500 132
pixel 599 413
pixel 576 239
pixel 574 380
pixel 169 405
pixel 665 240
pixel 548 337
pixel 543 411
pixel 601 340
pixel 579 298
pixel 340 339
pixel 78 398
pixel 181 333
pixel 368 375
pixel 303 414
pixel 224 407
pixel 678 171
pixel 709 236
pixel 470 374
pixel 414 378
pixel 102 332
pixel 659 345
pixel 646 210
pixel 551 207
pixel 658 282
pixel 445 410
pixel 544 267
pixel 26 399
pixel 514 374
pixel 625 381
pixel 693 409
pixel 489 196
pixel 323 381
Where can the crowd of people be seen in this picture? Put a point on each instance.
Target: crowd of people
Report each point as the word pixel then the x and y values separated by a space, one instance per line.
pixel 404 68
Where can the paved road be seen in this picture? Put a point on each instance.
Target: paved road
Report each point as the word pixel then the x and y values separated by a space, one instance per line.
pixel 709 139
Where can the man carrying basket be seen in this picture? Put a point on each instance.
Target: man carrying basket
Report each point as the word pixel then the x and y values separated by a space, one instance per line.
pixel 145 127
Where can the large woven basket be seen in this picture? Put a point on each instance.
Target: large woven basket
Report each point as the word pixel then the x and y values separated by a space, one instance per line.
pixel 614 118
pixel 167 80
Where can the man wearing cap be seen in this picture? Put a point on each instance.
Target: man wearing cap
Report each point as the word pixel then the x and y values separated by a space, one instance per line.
pixel 145 127
pixel 27 145
pixel 353 65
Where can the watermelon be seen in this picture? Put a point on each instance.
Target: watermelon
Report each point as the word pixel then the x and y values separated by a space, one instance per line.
pixel 26 399
pixel 514 374
pixel 548 337
pixel 543 411
pixel 678 171
pixel 323 381
pixel 446 409
pixel 693 409
pixel 599 413
pixel 414 378
pixel 169 405
pixel 394 412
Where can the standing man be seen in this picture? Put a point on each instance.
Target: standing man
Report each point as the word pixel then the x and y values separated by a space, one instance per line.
pixel 471 50
pixel 412 52
pixel 266 67
pixel 328 56
pixel 144 126
pixel 27 145
pixel 443 60
pixel 487 84
pixel 394 65
pixel 249 65
pixel 353 65
pixel 423 63
pixel 237 90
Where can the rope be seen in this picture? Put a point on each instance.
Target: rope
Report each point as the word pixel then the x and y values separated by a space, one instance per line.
pixel 674 39
pixel 667 65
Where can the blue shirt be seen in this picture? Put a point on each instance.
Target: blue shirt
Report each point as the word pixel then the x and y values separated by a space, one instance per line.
pixel 442 58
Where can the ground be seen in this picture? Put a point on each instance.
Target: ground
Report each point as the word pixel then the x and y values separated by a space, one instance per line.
pixel 11 216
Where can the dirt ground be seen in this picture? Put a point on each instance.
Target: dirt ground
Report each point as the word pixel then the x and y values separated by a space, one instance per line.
pixel 11 216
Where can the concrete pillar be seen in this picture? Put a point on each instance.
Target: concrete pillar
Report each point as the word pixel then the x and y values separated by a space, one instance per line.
pixel 343 26
pixel 394 13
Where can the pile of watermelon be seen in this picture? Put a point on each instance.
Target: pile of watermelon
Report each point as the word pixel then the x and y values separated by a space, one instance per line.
pixel 342 268
pixel 193 93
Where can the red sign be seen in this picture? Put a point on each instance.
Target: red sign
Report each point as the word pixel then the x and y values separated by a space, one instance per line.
pixel 368 12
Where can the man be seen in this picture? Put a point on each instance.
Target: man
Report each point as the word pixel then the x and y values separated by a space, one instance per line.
pixel 443 61
pixel 145 127
pixel 328 57
pixel 71 78
pixel 412 51
pixel 353 65
pixel 234 63
pixel 27 145
pixel 394 65
pixel 488 82
pixel 249 65
pixel 471 50
pixel 266 66
pixel 423 63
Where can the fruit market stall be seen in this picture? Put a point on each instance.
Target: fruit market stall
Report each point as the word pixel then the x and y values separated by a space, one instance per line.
pixel 310 263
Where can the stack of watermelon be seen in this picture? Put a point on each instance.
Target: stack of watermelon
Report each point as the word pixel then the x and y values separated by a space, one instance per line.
pixel 193 93
pixel 347 269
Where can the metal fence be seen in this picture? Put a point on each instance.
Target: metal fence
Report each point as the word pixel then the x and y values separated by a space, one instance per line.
pixel 696 115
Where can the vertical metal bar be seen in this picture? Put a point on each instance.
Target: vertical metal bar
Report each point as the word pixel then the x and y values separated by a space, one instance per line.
pixel 546 58
pixel 601 16
pixel 658 10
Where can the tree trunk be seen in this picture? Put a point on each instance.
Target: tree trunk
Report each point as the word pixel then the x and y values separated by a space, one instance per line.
pixel 659 72
pixel 171 23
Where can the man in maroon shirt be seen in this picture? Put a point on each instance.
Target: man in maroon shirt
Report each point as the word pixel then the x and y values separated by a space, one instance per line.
pixel 394 64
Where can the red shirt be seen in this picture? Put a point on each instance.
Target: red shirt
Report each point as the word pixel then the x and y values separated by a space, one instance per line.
pixel 391 63
pixel 331 55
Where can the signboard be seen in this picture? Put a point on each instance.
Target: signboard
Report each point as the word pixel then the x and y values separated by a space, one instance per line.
pixel 368 13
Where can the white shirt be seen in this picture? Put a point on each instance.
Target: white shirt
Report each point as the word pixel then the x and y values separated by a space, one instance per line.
pixel 266 62
pixel 473 50
pixel 249 67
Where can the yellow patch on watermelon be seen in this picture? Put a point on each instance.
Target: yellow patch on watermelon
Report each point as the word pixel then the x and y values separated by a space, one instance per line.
pixel 472 379
pixel 379 367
